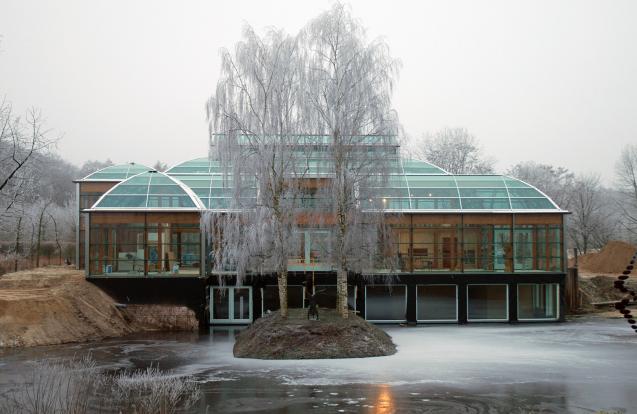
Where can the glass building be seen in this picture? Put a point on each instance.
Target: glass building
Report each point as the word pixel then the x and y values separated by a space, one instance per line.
pixel 468 248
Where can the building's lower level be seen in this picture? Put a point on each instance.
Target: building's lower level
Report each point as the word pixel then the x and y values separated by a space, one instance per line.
pixel 444 298
pixel 407 298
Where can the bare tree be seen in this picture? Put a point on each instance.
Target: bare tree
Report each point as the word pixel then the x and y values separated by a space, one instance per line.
pixel 456 151
pixel 555 182
pixel 254 125
pixel 91 166
pixel 591 224
pixel 348 83
pixel 21 140
pixel 626 170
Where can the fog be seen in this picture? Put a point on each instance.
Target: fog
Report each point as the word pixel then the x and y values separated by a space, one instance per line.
pixel 551 81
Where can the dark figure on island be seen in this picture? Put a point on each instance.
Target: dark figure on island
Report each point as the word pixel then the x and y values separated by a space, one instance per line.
pixel 312 310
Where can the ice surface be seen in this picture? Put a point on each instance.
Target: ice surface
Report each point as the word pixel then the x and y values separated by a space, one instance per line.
pixel 565 367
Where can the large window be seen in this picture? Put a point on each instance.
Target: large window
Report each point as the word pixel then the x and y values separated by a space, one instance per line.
pixel 437 248
pixel 538 301
pixel 482 243
pixel 487 303
pixel 385 304
pixel 437 303
pixel 270 299
pixel 142 246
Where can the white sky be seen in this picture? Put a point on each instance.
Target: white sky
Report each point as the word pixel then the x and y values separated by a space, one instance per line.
pixel 551 81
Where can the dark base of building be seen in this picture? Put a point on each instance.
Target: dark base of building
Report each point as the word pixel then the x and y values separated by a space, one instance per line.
pixel 412 299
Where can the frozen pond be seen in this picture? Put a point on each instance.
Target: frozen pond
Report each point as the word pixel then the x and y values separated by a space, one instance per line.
pixel 581 366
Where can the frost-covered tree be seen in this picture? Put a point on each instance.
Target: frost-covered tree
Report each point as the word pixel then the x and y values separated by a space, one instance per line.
pixel 254 119
pixel 454 150
pixel 91 166
pixel 347 85
pixel 21 141
pixel 555 182
pixel 626 171
pixel 592 223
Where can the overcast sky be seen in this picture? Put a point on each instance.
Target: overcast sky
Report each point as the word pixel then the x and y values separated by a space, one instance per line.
pixel 551 81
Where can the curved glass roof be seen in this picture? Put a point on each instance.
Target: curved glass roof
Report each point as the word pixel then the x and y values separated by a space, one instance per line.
pixel 149 190
pixel 196 166
pixel 417 186
pixel 464 193
pixel 116 172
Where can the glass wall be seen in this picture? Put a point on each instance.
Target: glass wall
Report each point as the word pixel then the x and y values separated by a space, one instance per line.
pixel 137 244
pixel 538 301
pixel 383 303
pixel 487 243
pixel 436 247
pixel 270 299
pixel 487 303
pixel 437 303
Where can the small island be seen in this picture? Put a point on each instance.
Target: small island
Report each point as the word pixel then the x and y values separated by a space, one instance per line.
pixel 273 337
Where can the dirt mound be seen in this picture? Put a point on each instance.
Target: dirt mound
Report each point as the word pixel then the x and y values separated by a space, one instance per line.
pixel 597 289
pixel 613 258
pixel 273 337
pixel 56 305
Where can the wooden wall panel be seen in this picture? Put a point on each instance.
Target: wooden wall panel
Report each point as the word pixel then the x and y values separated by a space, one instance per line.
pixel 97 187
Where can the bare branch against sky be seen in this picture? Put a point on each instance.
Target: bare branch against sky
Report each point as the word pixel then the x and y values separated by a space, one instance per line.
pixel 549 81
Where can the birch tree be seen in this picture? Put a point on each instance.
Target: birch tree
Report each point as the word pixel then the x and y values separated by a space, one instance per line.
pixel 254 134
pixel 347 97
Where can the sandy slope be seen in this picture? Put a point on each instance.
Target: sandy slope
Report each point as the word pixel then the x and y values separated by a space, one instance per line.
pixel 55 305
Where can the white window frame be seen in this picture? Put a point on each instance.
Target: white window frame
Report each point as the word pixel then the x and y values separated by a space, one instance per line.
pixel 557 303
pixel 508 314
pixel 437 320
pixel 386 320
pixel 231 320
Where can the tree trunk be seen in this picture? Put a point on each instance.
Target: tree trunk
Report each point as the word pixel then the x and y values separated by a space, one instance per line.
pixel 39 240
pixel 17 244
pixel 283 292
pixel 341 293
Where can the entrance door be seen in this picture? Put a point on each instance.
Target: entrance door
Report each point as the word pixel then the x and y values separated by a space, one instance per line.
pixel 230 305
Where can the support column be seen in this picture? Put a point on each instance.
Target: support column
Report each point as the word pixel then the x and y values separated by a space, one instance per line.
pixel 462 302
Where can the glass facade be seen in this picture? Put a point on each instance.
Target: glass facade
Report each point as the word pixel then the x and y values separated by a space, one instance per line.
pixel 270 298
pixel 437 303
pixel 487 303
pixel 538 301
pixel 139 246
pixel 384 303
pixel 477 247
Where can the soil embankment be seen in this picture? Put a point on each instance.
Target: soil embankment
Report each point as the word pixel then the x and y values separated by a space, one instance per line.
pixel 57 305
pixel 272 337
pixel 598 272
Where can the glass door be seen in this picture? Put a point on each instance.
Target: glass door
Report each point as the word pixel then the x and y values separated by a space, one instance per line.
pixel 230 305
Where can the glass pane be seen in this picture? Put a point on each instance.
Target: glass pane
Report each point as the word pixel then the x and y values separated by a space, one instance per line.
pixel 384 304
pixel 220 303
pixel 437 302
pixel 487 302
pixel 241 303
pixel 537 301
pixel 271 297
